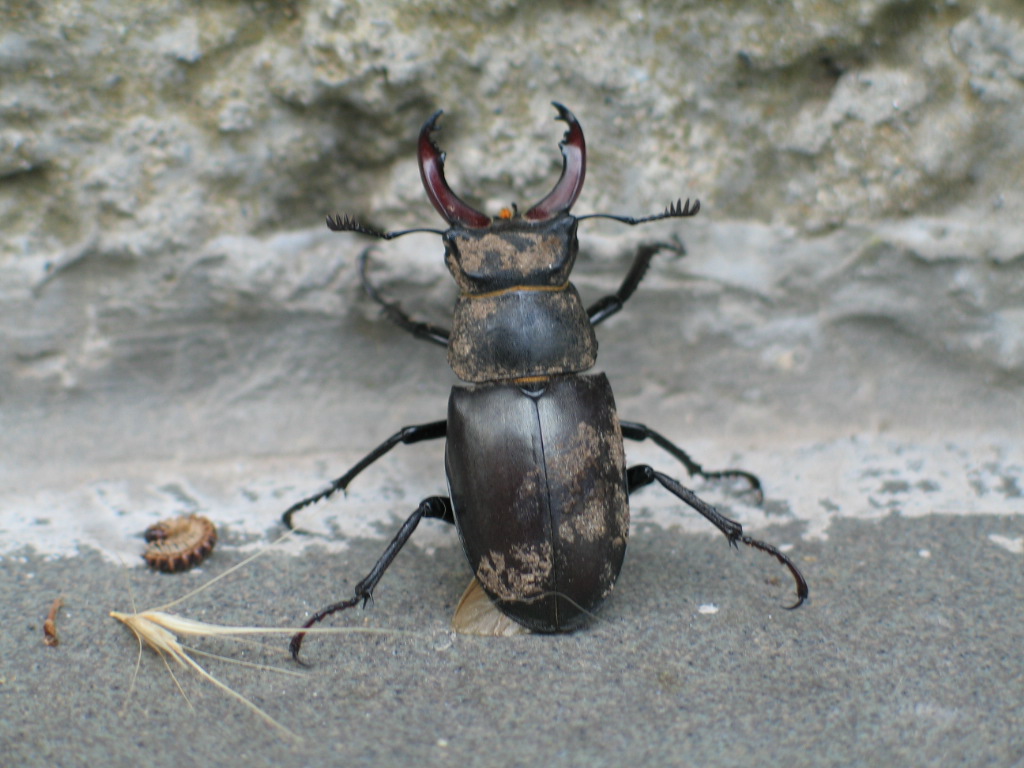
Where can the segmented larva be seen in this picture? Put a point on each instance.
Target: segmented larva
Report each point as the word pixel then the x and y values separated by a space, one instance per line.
pixel 179 543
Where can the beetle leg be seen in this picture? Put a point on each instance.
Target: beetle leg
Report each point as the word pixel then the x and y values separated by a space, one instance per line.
pixel 406 435
pixel 641 475
pixel 607 306
pixel 632 430
pixel 436 507
pixel 394 312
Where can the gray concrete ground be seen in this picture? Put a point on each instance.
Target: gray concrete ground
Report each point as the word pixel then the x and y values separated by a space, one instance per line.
pixel 910 654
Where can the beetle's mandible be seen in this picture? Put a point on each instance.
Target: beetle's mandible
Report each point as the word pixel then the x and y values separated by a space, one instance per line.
pixel 534 454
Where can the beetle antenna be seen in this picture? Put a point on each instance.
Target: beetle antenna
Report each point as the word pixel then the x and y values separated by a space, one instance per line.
pixel 676 210
pixel 345 223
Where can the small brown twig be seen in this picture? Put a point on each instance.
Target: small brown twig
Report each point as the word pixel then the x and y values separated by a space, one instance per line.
pixel 50 625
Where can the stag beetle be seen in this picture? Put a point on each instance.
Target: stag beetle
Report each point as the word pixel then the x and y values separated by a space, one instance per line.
pixel 534 455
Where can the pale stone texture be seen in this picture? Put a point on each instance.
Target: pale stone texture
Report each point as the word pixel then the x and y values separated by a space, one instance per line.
pixel 170 293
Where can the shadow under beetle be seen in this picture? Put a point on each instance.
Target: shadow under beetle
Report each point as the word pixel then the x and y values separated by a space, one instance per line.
pixel 534 454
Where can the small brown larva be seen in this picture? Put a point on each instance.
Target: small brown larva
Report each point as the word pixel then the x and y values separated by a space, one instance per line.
pixel 179 543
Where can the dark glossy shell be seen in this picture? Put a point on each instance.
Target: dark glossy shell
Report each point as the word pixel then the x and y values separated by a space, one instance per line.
pixel 538 483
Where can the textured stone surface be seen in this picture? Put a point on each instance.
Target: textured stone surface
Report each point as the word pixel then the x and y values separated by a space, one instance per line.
pixel 166 170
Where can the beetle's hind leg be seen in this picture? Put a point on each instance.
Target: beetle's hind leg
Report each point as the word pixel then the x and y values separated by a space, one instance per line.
pixel 641 475
pixel 607 306
pixel 631 430
pixel 394 312
pixel 435 507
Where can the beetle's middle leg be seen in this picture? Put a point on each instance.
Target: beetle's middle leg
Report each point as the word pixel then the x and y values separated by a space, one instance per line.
pixel 394 312
pixel 607 306
pixel 435 507
pixel 406 435
pixel 632 430
pixel 641 475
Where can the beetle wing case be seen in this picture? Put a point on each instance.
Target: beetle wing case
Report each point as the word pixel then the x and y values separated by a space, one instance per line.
pixel 540 503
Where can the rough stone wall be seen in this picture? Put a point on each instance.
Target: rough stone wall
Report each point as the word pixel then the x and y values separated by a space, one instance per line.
pixel 168 288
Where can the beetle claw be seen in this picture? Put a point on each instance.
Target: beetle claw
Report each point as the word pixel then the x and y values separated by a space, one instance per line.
pixel 799 601
pixel 802 591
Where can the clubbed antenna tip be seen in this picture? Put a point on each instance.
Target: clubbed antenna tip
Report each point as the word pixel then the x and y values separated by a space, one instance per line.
pixel 345 223
pixel 678 209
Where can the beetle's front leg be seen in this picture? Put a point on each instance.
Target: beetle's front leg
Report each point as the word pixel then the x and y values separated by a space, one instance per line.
pixel 632 430
pixel 394 312
pixel 435 507
pixel 607 306
pixel 641 475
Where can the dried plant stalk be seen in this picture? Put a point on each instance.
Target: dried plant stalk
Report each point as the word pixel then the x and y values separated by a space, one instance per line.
pixel 160 630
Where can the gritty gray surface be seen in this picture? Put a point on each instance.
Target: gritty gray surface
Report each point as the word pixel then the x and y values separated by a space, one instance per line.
pixel 179 332
pixel 900 660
